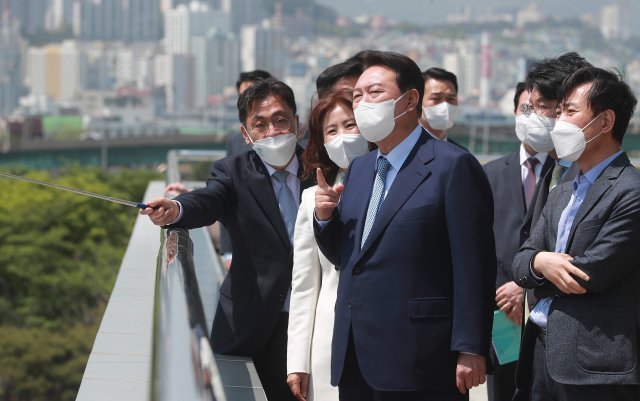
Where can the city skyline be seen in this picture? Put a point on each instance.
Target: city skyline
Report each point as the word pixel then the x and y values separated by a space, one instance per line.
pixel 156 67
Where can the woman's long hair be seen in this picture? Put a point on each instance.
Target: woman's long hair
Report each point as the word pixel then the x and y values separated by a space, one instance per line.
pixel 315 155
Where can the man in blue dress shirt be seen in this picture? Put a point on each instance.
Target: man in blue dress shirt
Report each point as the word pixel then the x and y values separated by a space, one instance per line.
pixel 583 256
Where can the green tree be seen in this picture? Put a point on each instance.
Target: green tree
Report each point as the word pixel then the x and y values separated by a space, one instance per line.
pixel 59 255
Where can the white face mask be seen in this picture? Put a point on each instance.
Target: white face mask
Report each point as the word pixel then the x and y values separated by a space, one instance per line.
pixel 277 150
pixel 345 147
pixel 441 116
pixel 376 120
pixel 539 132
pixel 521 128
pixel 569 140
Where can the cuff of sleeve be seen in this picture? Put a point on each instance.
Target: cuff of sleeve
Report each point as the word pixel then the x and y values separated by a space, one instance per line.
pixel 539 280
pixel 179 214
pixel 321 223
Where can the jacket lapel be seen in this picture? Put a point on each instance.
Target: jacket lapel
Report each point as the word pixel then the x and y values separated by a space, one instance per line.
pixel 546 167
pixel 411 174
pixel 259 183
pixel 513 174
pixel 596 191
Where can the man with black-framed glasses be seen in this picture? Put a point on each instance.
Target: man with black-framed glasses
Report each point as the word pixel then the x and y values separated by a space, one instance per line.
pixel 255 194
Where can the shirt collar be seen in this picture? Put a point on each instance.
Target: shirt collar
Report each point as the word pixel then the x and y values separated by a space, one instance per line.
pixel 292 167
pixel 524 155
pixel 596 170
pixel 399 154
pixel 446 137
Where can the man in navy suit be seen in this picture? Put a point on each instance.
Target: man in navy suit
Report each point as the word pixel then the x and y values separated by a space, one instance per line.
pixel 256 195
pixel 413 239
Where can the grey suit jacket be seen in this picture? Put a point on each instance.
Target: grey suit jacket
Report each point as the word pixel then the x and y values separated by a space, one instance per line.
pixel 593 338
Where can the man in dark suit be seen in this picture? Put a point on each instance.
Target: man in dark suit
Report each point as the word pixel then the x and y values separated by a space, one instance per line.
pixel 514 180
pixel 581 341
pixel 414 244
pixel 255 194
pixel 543 82
pixel 440 103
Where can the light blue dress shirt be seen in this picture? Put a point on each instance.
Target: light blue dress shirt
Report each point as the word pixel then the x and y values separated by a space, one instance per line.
pixel 581 185
pixel 398 155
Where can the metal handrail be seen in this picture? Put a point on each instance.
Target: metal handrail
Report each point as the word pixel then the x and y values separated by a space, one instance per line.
pixel 183 364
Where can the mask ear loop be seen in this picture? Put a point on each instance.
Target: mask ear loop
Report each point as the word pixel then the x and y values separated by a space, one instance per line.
pixel 396 101
pixel 247 131
pixel 582 129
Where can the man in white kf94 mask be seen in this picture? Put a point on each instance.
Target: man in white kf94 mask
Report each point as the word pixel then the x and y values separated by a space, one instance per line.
pixel 583 257
pixel 413 241
pixel 514 180
pixel 255 194
pixel 543 82
pixel 440 102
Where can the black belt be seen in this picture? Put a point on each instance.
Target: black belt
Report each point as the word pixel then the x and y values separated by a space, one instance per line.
pixel 541 333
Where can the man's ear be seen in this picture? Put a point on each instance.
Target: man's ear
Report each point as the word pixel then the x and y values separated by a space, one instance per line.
pixel 245 134
pixel 608 120
pixel 412 97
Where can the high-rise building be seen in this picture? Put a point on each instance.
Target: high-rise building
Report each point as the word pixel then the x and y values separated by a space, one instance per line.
pixel 174 73
pixel 223 60
pixel 143 20
pixel 30 13
pixel 55 70
pixel 485 71
pixel 243 12
pixel 185 22
pixel 10 65
pixel 99 20
pixel 614 23
pixel 118 20
pixel 263 47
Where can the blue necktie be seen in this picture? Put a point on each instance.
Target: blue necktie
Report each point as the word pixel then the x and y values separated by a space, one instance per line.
pixel 377 196
pixel 286 202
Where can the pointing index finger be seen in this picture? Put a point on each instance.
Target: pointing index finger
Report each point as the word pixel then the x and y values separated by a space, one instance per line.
pixel 322 183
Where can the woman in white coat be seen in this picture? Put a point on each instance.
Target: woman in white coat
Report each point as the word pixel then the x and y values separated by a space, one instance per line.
pixel 334 141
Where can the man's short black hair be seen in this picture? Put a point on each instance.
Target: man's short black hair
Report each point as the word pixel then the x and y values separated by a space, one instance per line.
pixel 440 74
pixel 328 78
pixel 608 92
pixel 547 76
pixel 408 74
pixel 520 87
pixel 251 76
pixel 262 90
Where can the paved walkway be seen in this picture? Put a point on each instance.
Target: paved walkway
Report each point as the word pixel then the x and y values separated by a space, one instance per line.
pixel 478 393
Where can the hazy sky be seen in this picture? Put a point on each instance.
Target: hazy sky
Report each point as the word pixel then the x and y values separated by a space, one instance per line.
pixel 434 11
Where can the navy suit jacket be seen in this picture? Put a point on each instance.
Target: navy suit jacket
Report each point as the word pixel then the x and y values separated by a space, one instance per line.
pixel 239 193
pixel 421 288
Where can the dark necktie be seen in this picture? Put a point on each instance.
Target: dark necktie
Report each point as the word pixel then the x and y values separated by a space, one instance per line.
pixel 286 202
pixel 377 196
pixel 529 183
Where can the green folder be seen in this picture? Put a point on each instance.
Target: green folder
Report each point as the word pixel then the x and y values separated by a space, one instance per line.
pixel 506 338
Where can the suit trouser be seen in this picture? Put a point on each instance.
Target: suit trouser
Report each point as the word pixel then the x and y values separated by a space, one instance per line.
pixel 354 387
pixel 271 363
pixel 544 388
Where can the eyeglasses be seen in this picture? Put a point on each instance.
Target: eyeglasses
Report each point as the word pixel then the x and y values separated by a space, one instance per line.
pixel 527 110
pixel 280 124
